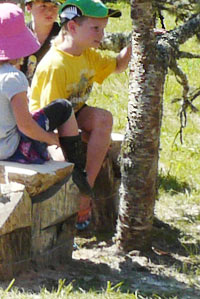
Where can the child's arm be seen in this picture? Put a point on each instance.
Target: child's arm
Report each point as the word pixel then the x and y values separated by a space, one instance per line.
pixel 123 59
pixel 26 123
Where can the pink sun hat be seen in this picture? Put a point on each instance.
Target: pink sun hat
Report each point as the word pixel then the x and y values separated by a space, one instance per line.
pixel 16 40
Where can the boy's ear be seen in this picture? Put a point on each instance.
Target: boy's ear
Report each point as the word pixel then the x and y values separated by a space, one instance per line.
pixel 71 26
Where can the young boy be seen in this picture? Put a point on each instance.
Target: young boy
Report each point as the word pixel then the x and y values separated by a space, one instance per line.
pixel 69 70
pixel 43 24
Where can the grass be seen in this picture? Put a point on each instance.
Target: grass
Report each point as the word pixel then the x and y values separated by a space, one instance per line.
pixel 63 292
pixel 179 170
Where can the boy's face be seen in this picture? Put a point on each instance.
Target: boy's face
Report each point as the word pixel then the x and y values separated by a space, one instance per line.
pixel 44 13
pixel 90 33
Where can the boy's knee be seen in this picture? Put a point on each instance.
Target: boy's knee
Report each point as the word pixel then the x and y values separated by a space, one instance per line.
pixel 63 108
pixel 105 120
pixel 109 118
pixel 63 104
pixel 58 112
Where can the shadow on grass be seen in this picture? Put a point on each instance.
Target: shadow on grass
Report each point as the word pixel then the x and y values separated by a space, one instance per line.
pixel 137 274
pixel 167 238
pixel 142 272
pixel 170 184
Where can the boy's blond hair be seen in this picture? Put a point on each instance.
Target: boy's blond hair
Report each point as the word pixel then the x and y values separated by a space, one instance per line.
pixel 64 31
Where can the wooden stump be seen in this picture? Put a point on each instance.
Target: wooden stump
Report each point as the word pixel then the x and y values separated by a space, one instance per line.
pixel 105 204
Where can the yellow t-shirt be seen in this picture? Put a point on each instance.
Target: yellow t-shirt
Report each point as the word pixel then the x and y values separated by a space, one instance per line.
pixel 61 75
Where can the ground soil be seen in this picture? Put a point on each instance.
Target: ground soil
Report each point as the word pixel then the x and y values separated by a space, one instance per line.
pixel 97 261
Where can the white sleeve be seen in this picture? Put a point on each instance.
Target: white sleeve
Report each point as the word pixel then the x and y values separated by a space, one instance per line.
pixel 15 83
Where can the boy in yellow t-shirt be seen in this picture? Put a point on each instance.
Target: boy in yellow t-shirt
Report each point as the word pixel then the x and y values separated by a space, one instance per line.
pixel 69 70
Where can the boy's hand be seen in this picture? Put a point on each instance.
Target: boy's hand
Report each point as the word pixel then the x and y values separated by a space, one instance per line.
pixel 123 59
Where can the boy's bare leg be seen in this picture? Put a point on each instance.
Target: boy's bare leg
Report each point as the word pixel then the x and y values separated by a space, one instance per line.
pixel 97 123
pixel 96 126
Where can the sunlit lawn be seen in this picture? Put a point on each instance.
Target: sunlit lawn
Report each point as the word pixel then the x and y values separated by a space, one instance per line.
pixel 179 167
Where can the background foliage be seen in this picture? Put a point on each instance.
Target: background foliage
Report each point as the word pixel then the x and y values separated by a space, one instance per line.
pixel 178 204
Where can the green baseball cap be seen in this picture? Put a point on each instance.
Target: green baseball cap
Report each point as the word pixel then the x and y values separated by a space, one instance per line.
pixel 89 8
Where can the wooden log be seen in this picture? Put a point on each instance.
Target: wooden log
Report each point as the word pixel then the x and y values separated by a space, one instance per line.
pixel 15 252
pixel 2 172
pixel 37 178
pixel 15 208
pixel 53 225
pixel 54 245
pixel 105 204
pixel 56 207
pixel 43 223
pixel 15 229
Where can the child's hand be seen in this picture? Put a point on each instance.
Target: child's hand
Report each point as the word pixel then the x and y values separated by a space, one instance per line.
pixel 123 59
pixel 54 139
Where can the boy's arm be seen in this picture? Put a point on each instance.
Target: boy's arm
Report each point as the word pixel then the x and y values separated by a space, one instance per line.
pixel 123 59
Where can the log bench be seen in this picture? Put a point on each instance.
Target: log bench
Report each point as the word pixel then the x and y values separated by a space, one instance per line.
pixel 38 209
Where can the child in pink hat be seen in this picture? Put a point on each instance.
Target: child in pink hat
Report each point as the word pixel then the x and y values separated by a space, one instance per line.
pixel 24 137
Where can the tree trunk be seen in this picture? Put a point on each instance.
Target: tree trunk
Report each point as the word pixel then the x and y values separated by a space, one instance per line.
pixel 140 149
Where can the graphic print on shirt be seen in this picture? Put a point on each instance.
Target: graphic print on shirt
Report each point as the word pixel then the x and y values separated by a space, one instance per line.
pixel 31 66
pixel 80 91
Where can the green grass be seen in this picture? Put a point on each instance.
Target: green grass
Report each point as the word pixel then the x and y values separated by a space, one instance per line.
pixel 63 292
pixel 179 165
pixel 179 169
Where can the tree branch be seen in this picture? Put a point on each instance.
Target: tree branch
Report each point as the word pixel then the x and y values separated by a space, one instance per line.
pixel 115 41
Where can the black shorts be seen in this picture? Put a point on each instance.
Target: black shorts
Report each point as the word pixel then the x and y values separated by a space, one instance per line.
pixel 77 113
pixel 58 112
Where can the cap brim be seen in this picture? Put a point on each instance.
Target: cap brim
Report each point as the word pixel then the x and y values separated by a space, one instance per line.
pixel 114 13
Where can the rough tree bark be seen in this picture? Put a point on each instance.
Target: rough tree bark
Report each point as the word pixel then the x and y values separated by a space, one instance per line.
pixel 140 150
pixel 139 153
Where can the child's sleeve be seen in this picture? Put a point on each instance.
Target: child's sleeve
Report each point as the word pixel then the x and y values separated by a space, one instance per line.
pixel 16 83
pixel 104 66
pixel 46 87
